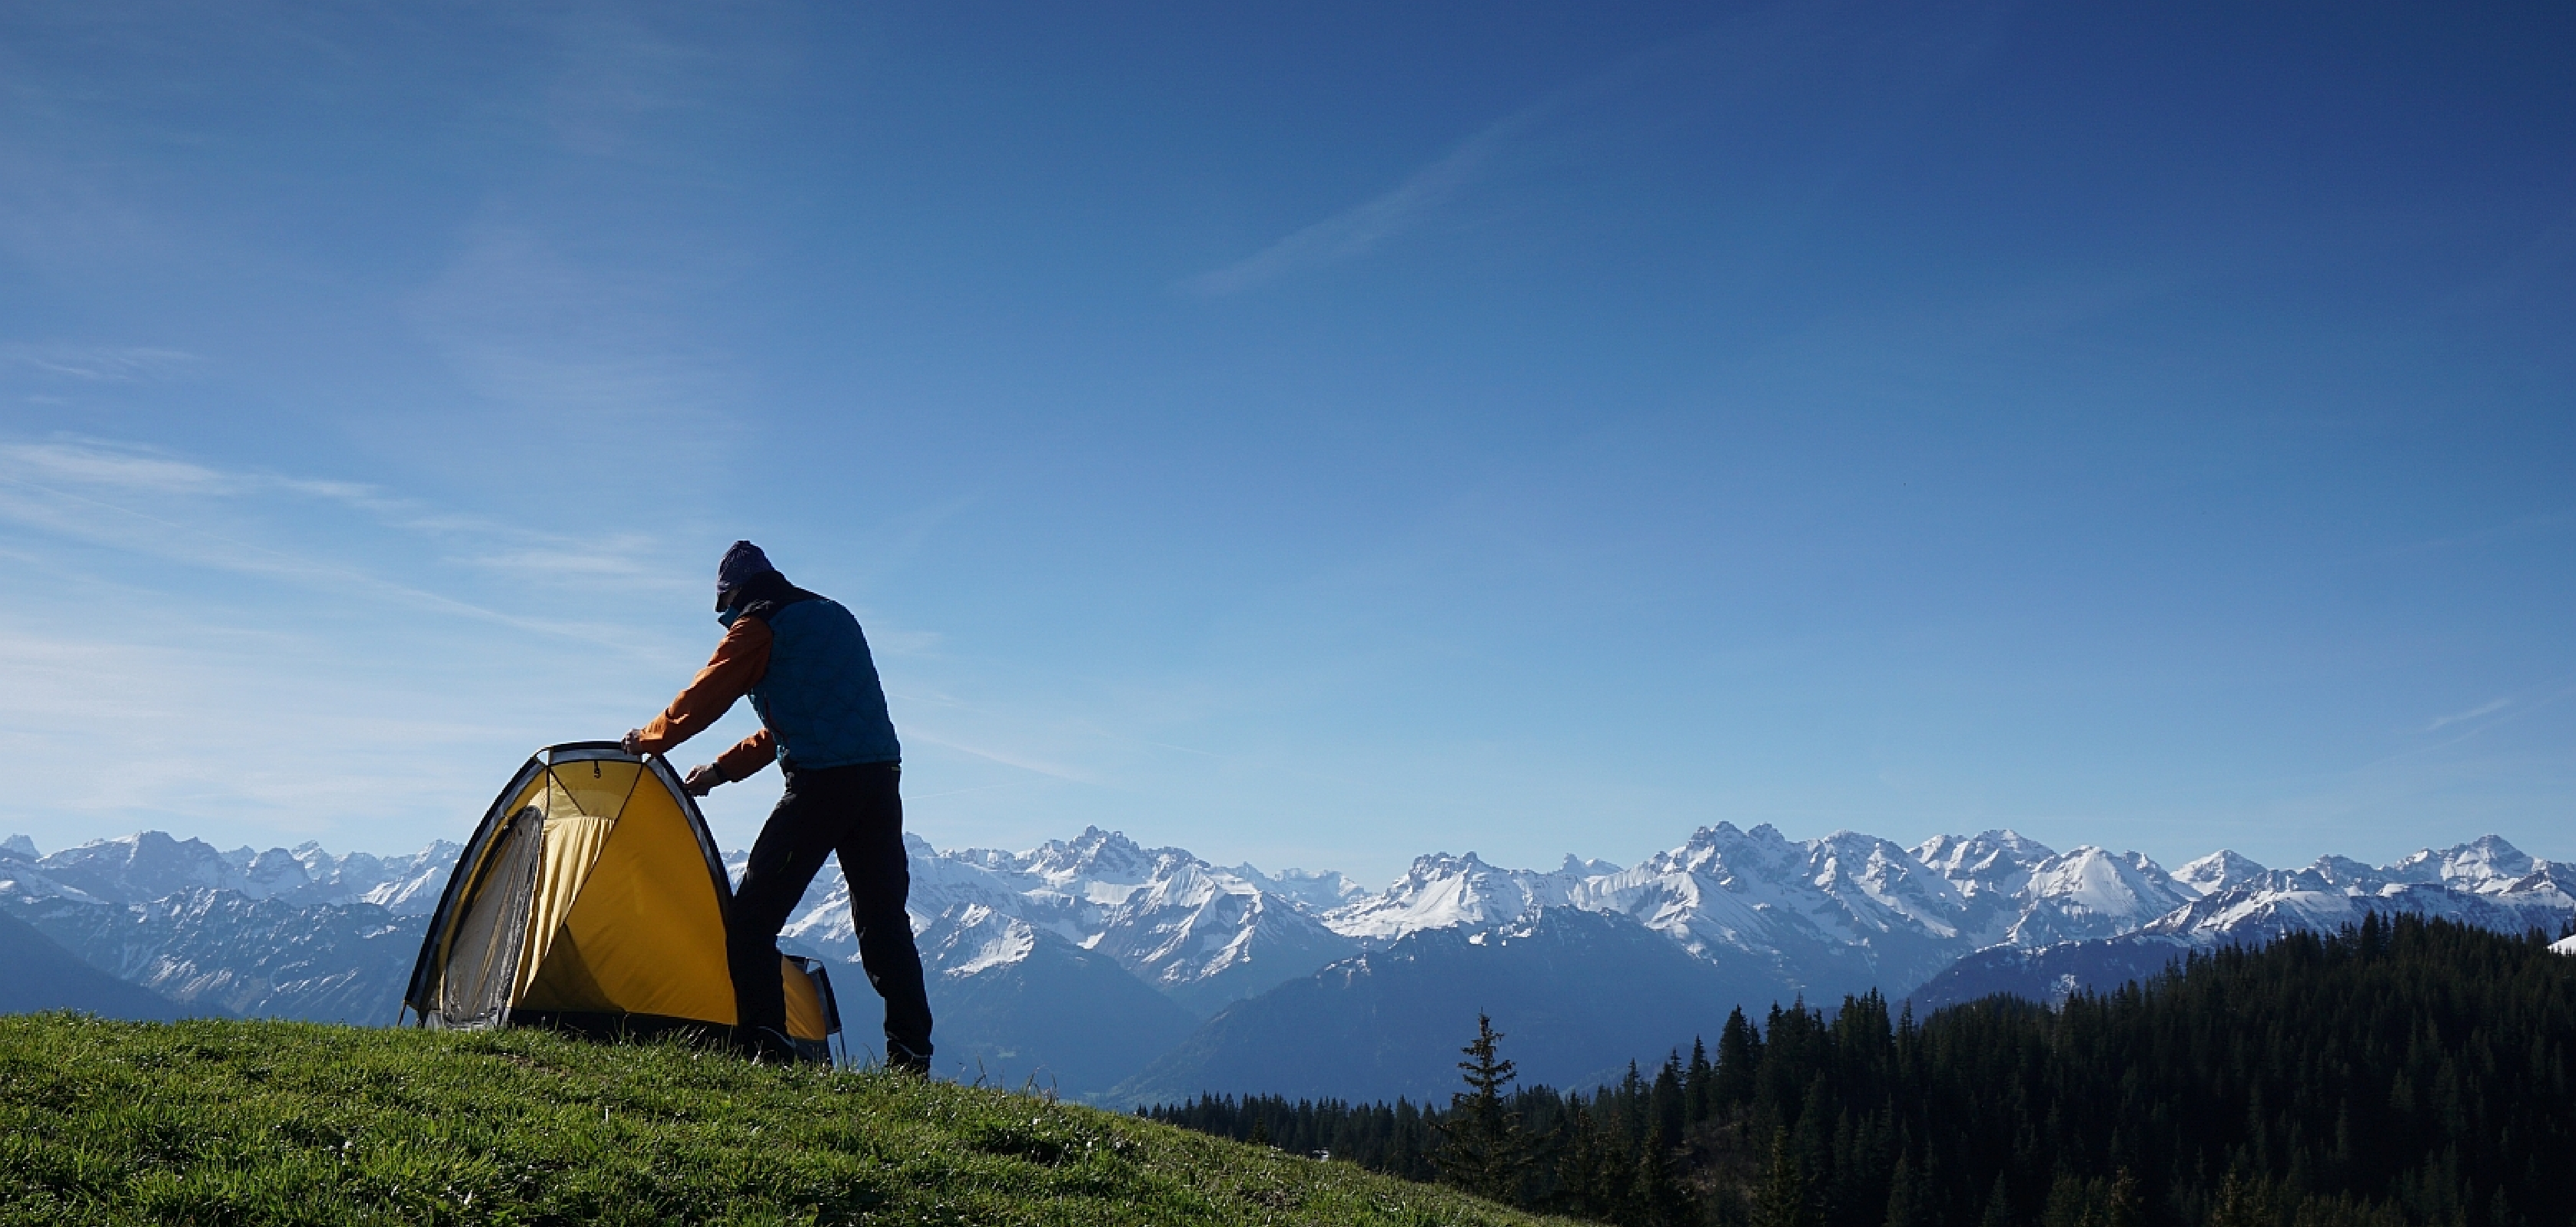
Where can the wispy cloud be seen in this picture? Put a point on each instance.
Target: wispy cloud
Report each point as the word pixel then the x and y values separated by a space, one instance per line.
pixel 97 466
pixel 97 363
pixel 1007 758
pixel 1748 61
pixel 526 326
pixel 1356 230
pixel 619 78
pixel 2519 526
pixel 151 503
pixel 173 720
pixel 2488 708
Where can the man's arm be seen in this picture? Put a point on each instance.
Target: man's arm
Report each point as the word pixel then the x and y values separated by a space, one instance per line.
pixel 741 659
pixel 744 760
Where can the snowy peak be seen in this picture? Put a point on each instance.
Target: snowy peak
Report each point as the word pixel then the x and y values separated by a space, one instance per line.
pixel 2217 871
pixel 971 938
pixel 1442 891
pixel 1722 852
pixel 2486 865
pixel 1203 934
pixel 21 846
pixel 2089 892
pixel 1845 912
pixel 1991 862
pixel 1848 861
pixel 151 865
pixel 143 866
pixel 1320 892
pixel 2347 873
pixel 1097 856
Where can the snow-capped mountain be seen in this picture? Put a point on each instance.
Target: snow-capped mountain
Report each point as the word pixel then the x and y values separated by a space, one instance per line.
pixel 257 957
pixel 2487 883
pixel 2486 865
pixel 1991 871
pixel 1442 891
pixel 1082 959
pixel 2285 901
pixel 1017 1003
pixel 2216 872
pixel 1201 934
pixel 2091 893
pixel 1827 915
pixel 1841 913
pixel 1319 891
pixel 150 865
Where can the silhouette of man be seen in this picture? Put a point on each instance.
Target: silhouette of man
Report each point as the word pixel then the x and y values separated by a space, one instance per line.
pixel 805 664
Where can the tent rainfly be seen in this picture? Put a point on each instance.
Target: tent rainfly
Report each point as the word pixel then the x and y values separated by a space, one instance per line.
pixel 591 899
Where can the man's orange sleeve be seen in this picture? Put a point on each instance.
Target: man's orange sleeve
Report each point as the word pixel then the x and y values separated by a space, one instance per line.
pixel 747 756
pixel 741 660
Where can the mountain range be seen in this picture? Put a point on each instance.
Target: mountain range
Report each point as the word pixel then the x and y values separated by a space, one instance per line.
pixel 1120 973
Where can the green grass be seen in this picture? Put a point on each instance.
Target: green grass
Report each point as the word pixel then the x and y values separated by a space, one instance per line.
pixel 227 1122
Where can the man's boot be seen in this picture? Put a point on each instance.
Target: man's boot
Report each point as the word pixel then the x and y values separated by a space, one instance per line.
pixel 763 1046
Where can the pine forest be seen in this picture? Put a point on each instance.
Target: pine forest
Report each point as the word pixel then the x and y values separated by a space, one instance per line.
pixel 2400 1072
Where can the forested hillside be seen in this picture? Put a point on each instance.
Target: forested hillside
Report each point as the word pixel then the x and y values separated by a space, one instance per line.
pixel 2403 1071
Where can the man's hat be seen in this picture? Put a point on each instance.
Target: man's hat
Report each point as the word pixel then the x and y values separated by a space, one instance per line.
pixel 741 563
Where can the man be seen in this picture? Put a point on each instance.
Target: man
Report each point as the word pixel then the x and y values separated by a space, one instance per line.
pixel 805 664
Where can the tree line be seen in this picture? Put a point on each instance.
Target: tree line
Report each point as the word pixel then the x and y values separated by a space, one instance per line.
pixel 2402 1071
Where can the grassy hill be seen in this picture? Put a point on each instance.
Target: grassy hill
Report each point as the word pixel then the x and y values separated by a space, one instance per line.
pixel 271 1123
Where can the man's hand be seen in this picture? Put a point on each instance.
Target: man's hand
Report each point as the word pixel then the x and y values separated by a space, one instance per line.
pixel 632 742
pixel 702 780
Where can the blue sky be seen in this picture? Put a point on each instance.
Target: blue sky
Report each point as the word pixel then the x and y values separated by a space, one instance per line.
pixel 1314 434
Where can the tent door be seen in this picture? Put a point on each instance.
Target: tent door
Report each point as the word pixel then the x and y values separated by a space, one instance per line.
pixel 483 956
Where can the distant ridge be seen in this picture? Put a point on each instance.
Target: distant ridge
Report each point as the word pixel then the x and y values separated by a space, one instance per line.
pixel 1083 962
pixel 37 975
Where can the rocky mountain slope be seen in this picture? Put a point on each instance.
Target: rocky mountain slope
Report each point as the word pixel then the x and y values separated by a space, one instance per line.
pixel 38 975
pixel 1579 994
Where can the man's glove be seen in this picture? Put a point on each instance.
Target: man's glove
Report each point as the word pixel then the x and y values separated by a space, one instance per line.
pixel 703 780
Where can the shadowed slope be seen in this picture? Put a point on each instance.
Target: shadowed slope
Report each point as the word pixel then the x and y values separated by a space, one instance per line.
pixel 36 974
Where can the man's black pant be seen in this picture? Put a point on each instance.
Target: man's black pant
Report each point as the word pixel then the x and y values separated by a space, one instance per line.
pixel 856 812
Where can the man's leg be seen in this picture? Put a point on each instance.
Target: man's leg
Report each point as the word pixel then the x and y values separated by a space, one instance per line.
pixel 880 877
pixel 791 848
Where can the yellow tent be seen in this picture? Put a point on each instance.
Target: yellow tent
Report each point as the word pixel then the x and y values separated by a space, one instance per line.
pixel 591 899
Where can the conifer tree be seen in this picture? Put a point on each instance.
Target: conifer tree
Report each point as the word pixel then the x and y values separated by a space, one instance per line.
pixel 2241 1203
pixel 1785 1200
pixel 1905 1206
pixel 1482 1148
pixel 1577 1160
pixel 1668 1113
pixel 1739 1054
pixel 1698 1083
pixel 2070 1204
pixel 1998 1206
pixel 1404 1145
pixel 2125 1208
pixel 1653 1199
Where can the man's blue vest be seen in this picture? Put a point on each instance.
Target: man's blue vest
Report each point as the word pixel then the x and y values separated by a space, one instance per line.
pixel 820 696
